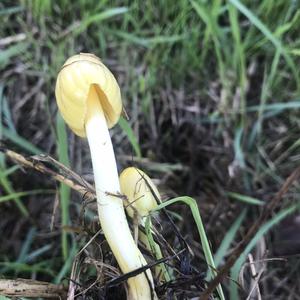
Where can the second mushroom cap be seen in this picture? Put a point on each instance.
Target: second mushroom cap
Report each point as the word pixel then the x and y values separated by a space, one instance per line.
pixel 139 189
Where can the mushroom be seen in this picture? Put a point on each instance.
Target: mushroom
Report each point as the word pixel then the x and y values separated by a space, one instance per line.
pixel 138 189
pixel 89 99
pixel 141 198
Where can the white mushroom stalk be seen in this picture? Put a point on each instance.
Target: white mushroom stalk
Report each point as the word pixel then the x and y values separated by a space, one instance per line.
pixel 142 196
pixel 89 100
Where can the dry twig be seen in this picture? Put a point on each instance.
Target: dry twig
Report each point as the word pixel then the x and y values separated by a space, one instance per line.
pixel 31 288
pixel 37 162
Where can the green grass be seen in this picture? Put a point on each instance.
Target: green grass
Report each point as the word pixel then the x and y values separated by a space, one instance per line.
pixel 131 136
pixel 64 191
pixel 13 196
pixel 245 199
pixel 229 238
pixel 262 231
pixel 192 204
pixel 230 68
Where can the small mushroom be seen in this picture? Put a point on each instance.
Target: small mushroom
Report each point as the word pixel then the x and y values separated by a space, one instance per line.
pixel 138 189
pixel 89 99
pixel 141 198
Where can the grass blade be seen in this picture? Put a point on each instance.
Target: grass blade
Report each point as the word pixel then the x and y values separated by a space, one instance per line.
pixel 11 10
pixel 26 245
pixel 20 141
pixel 131 136
pixel 276 106
pixel 14 195
pixel 9 171
pixel 245 199
pixel 148 42
pixel 6 55
pixel 6 185
pixel 204 241
pixel 97 18
pixel 262 231
pixel 67 265
pixel 64 191
pixel 36 253
pixel 4 173
pixel 229 237
pixel 267 33
pixel 17 267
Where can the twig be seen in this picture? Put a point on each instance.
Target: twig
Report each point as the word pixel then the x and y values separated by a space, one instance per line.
pixel 36 162
pixel 256 286
pixel 266 212
pixel 256 276
pixel 31 288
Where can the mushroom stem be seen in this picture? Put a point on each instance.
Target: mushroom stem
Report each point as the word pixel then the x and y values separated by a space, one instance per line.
pixel 110 208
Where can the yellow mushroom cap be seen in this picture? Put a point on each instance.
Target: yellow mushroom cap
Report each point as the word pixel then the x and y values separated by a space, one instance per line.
pixel 78 74
pixel 134 186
